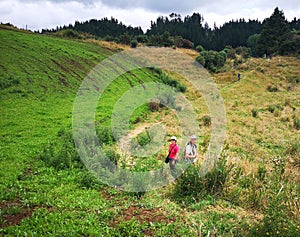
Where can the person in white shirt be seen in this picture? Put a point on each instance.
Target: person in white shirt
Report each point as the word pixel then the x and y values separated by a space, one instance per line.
pixel 190 152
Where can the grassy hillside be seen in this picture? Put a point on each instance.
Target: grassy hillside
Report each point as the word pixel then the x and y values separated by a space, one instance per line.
pixel 41 194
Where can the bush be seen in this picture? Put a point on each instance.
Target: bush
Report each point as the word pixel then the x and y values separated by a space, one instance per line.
pixel 61 153
pixel 142 38
pixel 89 180
pixel 254 113
pixel 69 33
pixel 143 138
pixel 200 59
pixel 154 105
pixel 190 184
pixel 296 123
pixel 187 44
pixel 272 88
pixel 125 39
pixel 133 44
pixel 212 60
pixel 230 52
pixel 105 135
pixel 6 82
pixel 178 41
pixel 109 38
pixel 243 51
pixel 273 108
pixel 293 151
pixel 199 48
pixel 166 79
pixel 206 119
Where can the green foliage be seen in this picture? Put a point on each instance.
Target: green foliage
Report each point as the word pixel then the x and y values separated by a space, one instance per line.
pixel 252 42
pixel 243 51
pixel 296 123
pixel 191 184
pixel 125 39
pixel 142 39
pixel 272 88
pixel 69 33
pixel 105 135
pixel 201 59
pixel 89 180
pixel 6 82
pixel 60 152
pixel 187 44
pixel 166 79
pixel 254 113
pixel 293 152
pixel 133 43
pixel 230 52
pixel 273 34
pixel 143 138
pixel 199 48
pixel 212 60
pixel 273 108
pixel 206 119
pixel 164 40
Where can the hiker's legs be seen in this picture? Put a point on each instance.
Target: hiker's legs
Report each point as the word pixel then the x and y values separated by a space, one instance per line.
pixel 173 167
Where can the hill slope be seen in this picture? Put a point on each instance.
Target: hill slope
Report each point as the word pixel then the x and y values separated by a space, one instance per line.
pixel 39 78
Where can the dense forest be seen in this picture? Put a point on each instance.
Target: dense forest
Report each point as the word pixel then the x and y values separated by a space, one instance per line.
pixel 273 35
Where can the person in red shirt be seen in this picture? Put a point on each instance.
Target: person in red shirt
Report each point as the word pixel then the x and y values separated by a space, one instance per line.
pixel 173 154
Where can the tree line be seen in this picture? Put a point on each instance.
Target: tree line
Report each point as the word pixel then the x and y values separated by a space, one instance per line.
pixel 274 35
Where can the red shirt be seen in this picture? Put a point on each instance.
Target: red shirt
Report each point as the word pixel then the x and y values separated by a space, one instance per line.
pixel 174 151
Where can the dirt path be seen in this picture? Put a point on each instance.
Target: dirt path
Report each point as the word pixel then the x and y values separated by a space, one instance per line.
pixel 124 144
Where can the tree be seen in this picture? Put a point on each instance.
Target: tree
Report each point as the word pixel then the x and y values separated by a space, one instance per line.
pixel 274 31
pixel 133 43
pixel 252 42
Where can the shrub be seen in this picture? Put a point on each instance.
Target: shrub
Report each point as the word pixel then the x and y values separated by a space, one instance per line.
pixel 199 48
pixel 154 105
pixel 243 51
pixel 133 43
pixel 272 88
pixel 143 138
pixel 105 135
pixel 61 153
pixel 254 113
pixel 296 123
pixel 142 38
pixel 212 60
pixel 273 108
pixel 166 79
pixel 109 38
pixel 230 52
pixel 293 151
pixel 187 44
pixel 125 39
pixel 6 82
pixel 206 119
pixel 190 184
pixel 111 154
pixel 69 33
pixel 178 41
pixel 200 59
pixel 89 180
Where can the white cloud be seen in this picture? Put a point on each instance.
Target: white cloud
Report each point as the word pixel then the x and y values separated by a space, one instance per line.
pixel 38 14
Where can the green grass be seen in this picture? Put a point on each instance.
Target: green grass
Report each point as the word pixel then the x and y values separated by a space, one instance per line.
pixel 45 188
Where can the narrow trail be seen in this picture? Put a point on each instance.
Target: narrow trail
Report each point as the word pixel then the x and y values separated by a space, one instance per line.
pixel 124 143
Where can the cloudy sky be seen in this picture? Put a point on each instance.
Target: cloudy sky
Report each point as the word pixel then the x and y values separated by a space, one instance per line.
pixel 38 14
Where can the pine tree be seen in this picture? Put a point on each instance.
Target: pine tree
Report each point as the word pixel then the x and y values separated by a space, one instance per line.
pixel 273 34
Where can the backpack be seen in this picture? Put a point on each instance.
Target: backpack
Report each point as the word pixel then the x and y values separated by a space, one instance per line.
pixel 194 147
